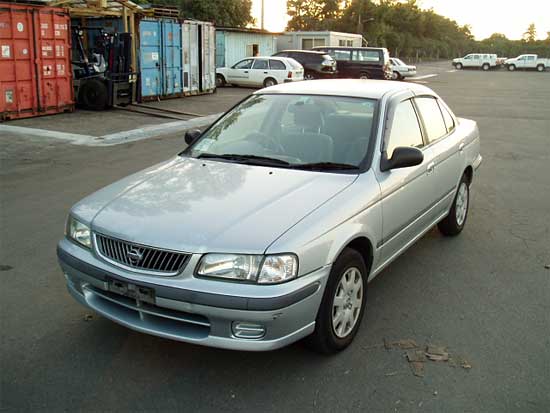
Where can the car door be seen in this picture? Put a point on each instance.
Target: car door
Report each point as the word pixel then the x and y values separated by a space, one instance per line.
pixel 277 69
pixel 447 147
pixel 239 73
pixel 259 72
pixel 530 62
pixel 520 63
pixel 407 194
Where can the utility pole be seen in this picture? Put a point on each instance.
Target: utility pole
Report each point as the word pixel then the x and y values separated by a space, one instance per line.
pixel 359 16
pixel 262 18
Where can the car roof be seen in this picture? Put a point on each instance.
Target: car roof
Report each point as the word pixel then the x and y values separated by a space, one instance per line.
pixel 362 88
pixel 316 52
pixel 347 48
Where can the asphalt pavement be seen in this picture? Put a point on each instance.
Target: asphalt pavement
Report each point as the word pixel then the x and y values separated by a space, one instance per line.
pixel 484 296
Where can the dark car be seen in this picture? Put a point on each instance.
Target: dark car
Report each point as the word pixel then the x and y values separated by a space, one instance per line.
pixel 360 62
pixel 317 65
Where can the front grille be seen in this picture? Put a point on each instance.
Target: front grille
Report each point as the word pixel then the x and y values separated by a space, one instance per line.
pixel 140 257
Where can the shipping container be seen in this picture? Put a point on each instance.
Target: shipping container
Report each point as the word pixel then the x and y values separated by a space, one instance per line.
pixel 207 56
pixel 160 58
pixel 190 40
pixel 35 65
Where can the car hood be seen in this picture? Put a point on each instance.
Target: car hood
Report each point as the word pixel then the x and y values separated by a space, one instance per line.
pixel 198 205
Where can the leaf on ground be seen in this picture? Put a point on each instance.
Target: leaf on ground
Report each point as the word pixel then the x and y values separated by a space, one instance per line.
pixel 88 317
pixel 417 368
pixel 465 365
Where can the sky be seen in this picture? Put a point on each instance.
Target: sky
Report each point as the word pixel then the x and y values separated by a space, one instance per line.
pixel 510 17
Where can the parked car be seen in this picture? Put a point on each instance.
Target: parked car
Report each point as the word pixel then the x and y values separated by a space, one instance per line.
pixel 360 62
pixel 317 65
pixel 260 72
pixel 268 226
pixel 483 61
pixel 526 62
pixel 400 69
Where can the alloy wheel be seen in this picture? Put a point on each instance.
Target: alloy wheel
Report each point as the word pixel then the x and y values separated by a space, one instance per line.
pixel 347 301
pixel 461 206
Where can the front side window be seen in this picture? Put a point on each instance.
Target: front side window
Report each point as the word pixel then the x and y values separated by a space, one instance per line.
pixel 432 117
pixel 340 54
pixel 293 130
pixel 261 64
pixel 405 129
pixel 244 64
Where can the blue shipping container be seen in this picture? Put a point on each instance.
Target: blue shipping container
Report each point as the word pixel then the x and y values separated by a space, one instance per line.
pixel 160 57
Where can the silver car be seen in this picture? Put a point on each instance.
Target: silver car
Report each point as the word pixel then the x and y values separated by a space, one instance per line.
pixel 268 227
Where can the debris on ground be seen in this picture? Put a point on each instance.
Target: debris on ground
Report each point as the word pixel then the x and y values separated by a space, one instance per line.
pixel 5 267
pixel 435 392
pixel 436 353
pixel 465 365
pixel 416 360
pixel 88 317
pixel 547 266
pixel 405 344
pixel 393 373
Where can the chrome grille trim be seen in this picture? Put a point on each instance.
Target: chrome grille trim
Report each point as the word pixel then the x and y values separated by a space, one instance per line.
pixel 144 260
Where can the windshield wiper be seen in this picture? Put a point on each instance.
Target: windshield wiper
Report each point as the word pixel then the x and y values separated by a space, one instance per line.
pixel 247 159
pixel 325 166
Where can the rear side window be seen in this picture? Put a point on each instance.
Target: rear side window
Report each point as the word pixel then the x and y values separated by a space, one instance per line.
pixel 447 117
pixel 260 64
pixel 366 55
pixel 432 117
pixel 276 65
pixel 405 129
pixel 340 54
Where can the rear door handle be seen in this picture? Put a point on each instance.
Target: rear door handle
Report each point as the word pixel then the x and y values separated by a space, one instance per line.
pixel 430 168
pixel 246 71
pixel 265 73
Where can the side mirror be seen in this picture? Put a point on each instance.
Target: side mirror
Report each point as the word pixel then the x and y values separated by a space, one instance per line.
pixel 192 135
pixel 403 157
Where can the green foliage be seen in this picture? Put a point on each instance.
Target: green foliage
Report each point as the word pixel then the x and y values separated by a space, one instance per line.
pixel 405 29
pixel 530 36
pixel 228 13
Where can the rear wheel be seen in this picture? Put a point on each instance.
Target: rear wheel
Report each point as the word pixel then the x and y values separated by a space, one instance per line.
pixel 540 68
pixel 220 81
pixel 93 94
pixel 363 76
pixel 486 67
pixel 453 224
pixel 309 76
pixel 396 76
pixel 511 68
pixel 343 304
pixel 458 66
pixel 269 82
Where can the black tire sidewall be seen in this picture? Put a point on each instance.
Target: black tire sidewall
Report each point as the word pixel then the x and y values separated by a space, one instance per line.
pixel 222 82
pixel 328 340
pixel 449 226
pixel 98 87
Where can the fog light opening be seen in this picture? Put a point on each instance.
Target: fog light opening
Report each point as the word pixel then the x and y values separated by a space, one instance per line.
pixel 247 330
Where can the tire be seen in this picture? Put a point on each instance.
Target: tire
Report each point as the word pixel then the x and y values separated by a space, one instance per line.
pixel 453 224
pixel 220 81
pixel 364 76
pixel 269 82
pixel 396 76
pixel 329 338
pixel 93 94
pixel 540 68
pixel 511 68
pixel 309 76
pixel 459 66
pixel 485 67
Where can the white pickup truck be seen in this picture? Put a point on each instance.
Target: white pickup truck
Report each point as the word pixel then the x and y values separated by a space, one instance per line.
pixel 527 61
pixel 483 61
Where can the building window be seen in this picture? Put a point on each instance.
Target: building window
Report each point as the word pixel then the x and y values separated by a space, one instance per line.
pixel 311 43
pixel 252 50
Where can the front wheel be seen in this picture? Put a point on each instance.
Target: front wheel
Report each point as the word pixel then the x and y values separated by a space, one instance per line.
pixel 453 224
pixel 458 66
pixel 343 304
pixel 511 68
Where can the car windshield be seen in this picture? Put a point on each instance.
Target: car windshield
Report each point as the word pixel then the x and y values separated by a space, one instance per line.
pixel 292 131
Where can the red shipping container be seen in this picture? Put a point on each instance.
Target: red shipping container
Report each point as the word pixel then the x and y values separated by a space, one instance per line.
pixel 35 61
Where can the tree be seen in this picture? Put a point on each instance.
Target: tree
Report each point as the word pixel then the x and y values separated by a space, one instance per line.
pixel 313 14
pixel 530 36
pixel 228 13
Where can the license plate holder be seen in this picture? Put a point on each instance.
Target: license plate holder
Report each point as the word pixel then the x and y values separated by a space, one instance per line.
pixel 137 292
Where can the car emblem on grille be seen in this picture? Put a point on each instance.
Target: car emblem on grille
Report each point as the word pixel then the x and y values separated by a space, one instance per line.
pixel 134 255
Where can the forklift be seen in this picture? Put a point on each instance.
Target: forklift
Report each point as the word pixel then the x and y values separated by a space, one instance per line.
pixel 102 73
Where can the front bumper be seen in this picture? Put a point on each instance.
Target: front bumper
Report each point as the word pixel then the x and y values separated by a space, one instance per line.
pixel 286 312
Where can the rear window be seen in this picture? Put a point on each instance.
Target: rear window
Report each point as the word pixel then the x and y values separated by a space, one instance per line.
pixel 276 65
pixel 294 64
pixel 432 117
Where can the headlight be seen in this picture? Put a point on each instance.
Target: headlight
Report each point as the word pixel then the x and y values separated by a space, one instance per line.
pixel 274 269
pixel 79 232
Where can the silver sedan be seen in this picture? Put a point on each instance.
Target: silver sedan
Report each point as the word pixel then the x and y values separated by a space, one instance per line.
pixel 267 228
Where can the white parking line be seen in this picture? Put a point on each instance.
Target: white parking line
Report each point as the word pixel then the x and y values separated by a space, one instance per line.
pixel 423 77
pixel 451 71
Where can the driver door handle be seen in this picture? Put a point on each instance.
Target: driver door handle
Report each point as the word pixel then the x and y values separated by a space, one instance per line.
pixel 246 71
pixel 461 147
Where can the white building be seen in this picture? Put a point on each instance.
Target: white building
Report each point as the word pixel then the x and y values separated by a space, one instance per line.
pixel 309 40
